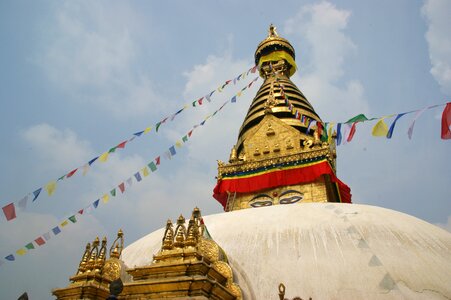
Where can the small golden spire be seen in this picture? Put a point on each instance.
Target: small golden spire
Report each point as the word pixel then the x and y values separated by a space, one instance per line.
pixel 168 238
pixel 118 245
pixel 84 259
pixel 180 232
pixel 100 259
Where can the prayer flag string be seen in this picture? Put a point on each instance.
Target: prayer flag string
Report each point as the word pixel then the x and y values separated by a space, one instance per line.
pixel 50 187
pixel 122 187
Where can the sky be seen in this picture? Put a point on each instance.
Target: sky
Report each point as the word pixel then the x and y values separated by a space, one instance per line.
pixel 80 77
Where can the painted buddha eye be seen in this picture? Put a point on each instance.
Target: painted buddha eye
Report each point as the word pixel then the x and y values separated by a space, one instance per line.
pixel 290 196
pixel 261 200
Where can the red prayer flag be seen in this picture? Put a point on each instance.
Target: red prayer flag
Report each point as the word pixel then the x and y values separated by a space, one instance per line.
pixel 121 145
pixel 40 241
pixel 446 122
pixel 122 187
pixel 352 132
pixel 157 161
pixel 190 133
pixel 9 211
pixel 71 173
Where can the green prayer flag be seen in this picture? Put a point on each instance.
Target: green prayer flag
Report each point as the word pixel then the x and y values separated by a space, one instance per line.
pixel 72 219
pixel 113 192
pixel 185 139
pixel 29 246
pixel 152 166
pixel 358 118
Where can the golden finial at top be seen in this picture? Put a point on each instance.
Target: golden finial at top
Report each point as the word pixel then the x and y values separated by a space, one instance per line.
pixel 272 31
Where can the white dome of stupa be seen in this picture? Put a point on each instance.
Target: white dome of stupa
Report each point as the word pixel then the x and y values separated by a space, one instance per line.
pixel 325 251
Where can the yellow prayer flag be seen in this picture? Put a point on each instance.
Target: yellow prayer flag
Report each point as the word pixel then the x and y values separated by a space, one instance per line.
pixel 178 144
pixel 21 251
pixel 147 130
pixel 105 198
pixel 104 157
pixel 329 132
pixel 380 129
pixel 85 169
pixel 50 187
pixel 238 94
pixel 64 223
pixel 145 171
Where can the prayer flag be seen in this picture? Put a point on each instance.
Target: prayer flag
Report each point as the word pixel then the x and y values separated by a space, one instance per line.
pixel 40 241
pixel 167 154
pixel 10 257
pixel 138 133
pixel 56 230
pixel 147 130
pixel 417 115
pixel 446 122
pixel 36 194
pixel 157 126
pixel 81 211
pixel 358 118
pixel 50 187
pixel 29 246
pixel 208 98
pixel 85 169
pixel 71 173
pixel 64 223
pixel 9 211
pixel 392 126
pixel 152 165
pixel 380 129
pixel 21 251
pixel 96 203
pixel 138 177
pixel 104 157
pixel 129 181
pixel 190 133
pixel 145 171
pixel 185 139
pixel 172 150
pixel 339 136
pixel 157 161
pixel 73 219
pixel 202 123
pixel 178 144
pixel 23 202
pixel 106 198
pixel 309 125
pixel 93 160
pixel 122 145
pixel 61 178
pixel 193 104
pixel 46 236
pixel 122 187
pixel 352 132
pixel 113 192
pixel 254 69
pixel 233 99
pixel 200 100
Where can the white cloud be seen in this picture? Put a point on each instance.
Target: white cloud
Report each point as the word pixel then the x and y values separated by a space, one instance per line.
pixel 56 149
pixel 438 38
pixel 321 27
pixel 92 57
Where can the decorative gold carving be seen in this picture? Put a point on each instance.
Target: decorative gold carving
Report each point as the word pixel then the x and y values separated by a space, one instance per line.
pixel 233 155
pixel 112 270
pixel 276 147
pixel 270 131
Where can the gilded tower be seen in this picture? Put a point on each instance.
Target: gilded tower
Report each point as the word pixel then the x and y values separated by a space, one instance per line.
pixel 283 154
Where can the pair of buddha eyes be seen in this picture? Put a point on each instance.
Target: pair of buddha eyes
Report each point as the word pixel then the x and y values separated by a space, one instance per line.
pixel 286 197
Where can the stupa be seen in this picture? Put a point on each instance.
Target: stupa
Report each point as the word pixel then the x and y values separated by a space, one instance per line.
pixel 288 219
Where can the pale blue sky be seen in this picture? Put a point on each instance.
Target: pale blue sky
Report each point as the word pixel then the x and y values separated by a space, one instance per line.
pixel 79 77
